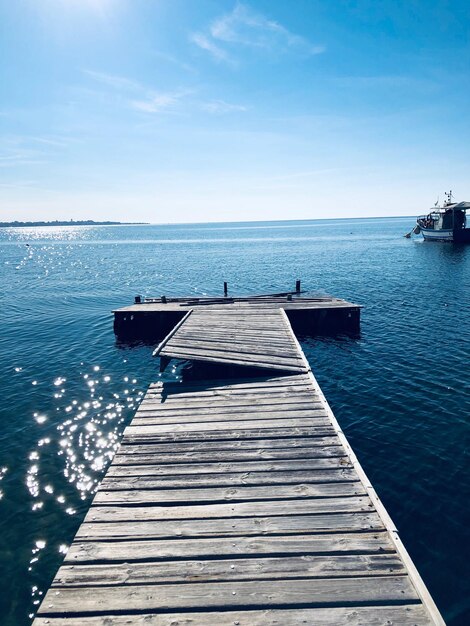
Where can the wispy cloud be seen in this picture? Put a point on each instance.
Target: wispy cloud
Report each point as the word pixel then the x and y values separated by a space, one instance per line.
pixel 245 27
pixel 206 43
pixel 21 158
pixel 112 80
pixel 219 107
pixel 138 96
pixel 18 151
pixel 159 102
pixel 175 61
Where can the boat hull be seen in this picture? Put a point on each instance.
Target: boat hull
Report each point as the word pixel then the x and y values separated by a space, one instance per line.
pixel 461 235
pixel 437 235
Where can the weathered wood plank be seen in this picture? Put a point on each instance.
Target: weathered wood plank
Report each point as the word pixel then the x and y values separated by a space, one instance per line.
pixel 317 445
pixel 222 434
pixel 317 417
pixel 137 550
pixel 242 348
pixel 195 469
pixel 194 427
pixel 305 592
pixel 245 526
pixel 226 456
pixel 227 494
pixel 233 397
pixel 258 363
pixel 248 357
pixel 199 396
pixel 234 509
pixel 229 384
pixel 230 337
pixel 225 570
pixel 220 402
pixel 163 409
pixel 405 615
pixel 229 479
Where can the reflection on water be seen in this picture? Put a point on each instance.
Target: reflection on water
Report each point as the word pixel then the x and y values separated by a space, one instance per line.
pixel 399 389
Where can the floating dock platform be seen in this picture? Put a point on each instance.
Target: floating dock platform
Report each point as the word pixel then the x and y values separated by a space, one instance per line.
pixel 236 502
pixel 154 318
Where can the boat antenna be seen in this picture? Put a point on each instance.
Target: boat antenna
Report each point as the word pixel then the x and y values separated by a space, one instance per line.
pixel 437 201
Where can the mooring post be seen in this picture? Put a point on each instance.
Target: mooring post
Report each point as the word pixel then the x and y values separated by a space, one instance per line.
pixel 138 299
pixel 225 289
pixel 297 286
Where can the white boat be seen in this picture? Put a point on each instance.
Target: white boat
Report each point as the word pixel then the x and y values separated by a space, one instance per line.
pixel 445 223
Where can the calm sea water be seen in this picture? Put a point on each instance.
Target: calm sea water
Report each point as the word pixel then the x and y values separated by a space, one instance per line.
pixel 67 388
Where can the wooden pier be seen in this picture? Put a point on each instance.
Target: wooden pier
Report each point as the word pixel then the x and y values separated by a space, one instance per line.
pixel 236 501
pixel 154 318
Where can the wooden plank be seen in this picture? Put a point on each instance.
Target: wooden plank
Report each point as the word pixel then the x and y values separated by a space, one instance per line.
pixel 317 445
pixel 250 360
pixel 230 384
pixel 253 402
pixel 224 570
pixel 404 615
pixel 233 479
pixel 241 348
pixel 236 329
pixel 221 434
pixel 383 589
pixel 245 526
pixel 245 424
pixel 257 364
pixel 226 408
pixel 137 550
pixel 170 334
pixel 231 351
pixel 316 417
pixel 223 456
pixel 194 469
pixel 228 494
pixel 230 401
pixel 265 330
pixel 231 395
pixel 240 336
pixel 234 509
pixel 285 384
pixel 213 394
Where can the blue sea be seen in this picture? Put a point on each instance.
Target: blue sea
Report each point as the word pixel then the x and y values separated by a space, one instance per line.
pixel 400 390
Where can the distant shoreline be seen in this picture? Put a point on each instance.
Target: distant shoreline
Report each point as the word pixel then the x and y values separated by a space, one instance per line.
pixel 69 223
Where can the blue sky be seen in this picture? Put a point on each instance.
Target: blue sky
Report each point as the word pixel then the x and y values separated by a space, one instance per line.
pixel 212 110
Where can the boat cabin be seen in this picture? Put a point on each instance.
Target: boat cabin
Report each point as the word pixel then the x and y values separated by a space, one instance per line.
pixel 445 218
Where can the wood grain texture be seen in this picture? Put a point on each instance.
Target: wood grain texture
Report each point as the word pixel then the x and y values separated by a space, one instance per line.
pixel 210 548
pixel 218 467
pixel 226 595
pixel 405 615
pixel 222 570
pixel 228 494
pixel 246 526
pixel 119 513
